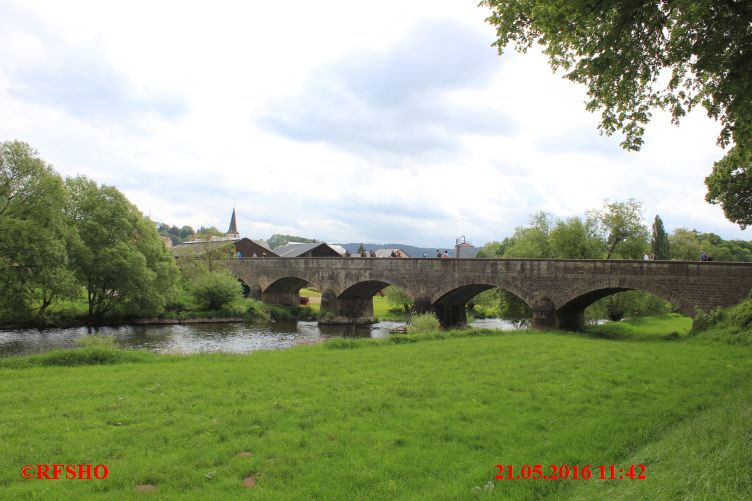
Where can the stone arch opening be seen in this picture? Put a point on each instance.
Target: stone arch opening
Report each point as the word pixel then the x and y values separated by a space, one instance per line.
pixel 451 306
pixel 354 305
pixel 285 291
pixel 571 314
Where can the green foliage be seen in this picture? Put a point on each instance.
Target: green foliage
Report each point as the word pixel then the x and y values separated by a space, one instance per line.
pixel 732 325
pixel 397 298
pixel 687 244
pixel 361 248
pixel 637 56
pixel 730 184
pixel 531 241
pixel 629 304
pixel 574 238
pixel 493 250
pixel 34 235
pixel 278 240
pixel 177 235
pixel 423 322
pixel 621 226
pixel 659 243
pixel 116 254
pixel 514 309
pixel 205 233
pixel 284 312
pixel 216 289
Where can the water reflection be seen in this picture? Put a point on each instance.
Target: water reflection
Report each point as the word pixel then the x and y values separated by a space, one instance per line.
pixel 202 338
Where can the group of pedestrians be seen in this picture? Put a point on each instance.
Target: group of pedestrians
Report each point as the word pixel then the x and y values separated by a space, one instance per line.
pixel 705 257
pixel 445 255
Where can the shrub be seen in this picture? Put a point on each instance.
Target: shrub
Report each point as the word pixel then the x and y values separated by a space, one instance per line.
pixel 703 321
pixel 214 290
pixel 423 322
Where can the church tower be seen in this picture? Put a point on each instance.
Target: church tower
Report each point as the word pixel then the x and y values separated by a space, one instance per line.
pixel 232 232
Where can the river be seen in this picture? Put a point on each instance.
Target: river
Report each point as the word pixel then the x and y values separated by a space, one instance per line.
pixel 201 338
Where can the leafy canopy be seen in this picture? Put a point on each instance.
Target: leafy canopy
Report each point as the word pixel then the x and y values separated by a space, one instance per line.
pixel 33 234
pixel 635 56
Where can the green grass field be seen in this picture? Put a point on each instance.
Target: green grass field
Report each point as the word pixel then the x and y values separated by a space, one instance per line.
pixel 391 419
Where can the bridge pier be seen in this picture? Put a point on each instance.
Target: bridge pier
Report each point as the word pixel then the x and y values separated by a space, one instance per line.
pixel 544 314
pixel 571 320
pixel 345 311
pixel 285 298
pixel 451 315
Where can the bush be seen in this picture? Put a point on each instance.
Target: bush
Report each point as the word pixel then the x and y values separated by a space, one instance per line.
pixel 703 321
pixel 214 290
pixel 423 322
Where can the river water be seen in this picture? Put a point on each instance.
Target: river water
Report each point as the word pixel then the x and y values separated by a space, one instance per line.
pixel 201 338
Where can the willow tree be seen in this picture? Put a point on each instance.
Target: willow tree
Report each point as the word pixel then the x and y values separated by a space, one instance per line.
pixel 33 235
pixel 117 253
pixel 635 56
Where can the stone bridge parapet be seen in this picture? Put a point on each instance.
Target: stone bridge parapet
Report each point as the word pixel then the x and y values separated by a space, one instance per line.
pixel 557 290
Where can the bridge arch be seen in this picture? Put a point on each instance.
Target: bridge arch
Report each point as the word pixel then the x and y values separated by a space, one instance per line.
pixel 572 303
pixel 283 290
pixel 464 291
pixel 449 304
pixel 354 303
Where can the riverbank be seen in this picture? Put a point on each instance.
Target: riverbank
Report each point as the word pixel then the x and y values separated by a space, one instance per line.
pixel 73 314
pixel 417 416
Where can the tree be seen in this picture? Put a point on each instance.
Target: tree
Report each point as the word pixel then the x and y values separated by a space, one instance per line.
pixel 278 240
pixel 33 239
pixel 533 240
pixel 361 249
pixel 493 250
pixel 397 297
pixel 574 238
pixel 117 254
pixel 205 233
pixel 684 245
pixel 624 232
pixel 636 56
pixel 659 244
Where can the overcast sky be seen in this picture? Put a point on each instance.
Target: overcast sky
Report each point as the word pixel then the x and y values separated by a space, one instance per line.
pixel 345 121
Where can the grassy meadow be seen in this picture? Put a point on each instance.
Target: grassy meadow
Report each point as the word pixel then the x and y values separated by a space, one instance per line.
pixel 408 417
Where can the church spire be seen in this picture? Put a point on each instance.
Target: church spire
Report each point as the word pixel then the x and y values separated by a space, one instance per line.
pixel 232 232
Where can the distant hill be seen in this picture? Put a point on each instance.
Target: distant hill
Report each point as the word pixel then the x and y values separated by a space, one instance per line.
pixel 278 240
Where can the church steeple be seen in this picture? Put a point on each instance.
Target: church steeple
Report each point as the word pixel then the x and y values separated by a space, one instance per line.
pixel 232 232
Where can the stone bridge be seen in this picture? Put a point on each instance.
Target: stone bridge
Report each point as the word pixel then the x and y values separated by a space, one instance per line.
pixel 557 290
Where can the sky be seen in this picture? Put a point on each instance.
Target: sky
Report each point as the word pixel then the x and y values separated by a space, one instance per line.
pixel 383 122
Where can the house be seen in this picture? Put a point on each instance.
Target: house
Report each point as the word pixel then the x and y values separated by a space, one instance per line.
pixel 388 253
pixel 299 249
pixel 340 250
pixel 246 247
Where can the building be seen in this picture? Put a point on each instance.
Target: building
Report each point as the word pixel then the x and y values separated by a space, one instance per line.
pixel 340 250
pixel 246 246
pixel 299 249
pixel 232 231
pixel 388 253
